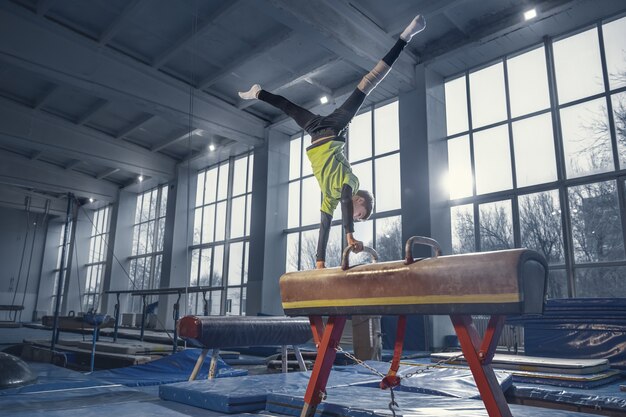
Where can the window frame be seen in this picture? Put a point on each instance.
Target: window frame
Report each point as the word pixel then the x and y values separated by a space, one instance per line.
pixel 376 215
pixel 227 241
pixel 563 183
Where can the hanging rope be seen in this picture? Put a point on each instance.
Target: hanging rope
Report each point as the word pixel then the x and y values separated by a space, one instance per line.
pixel 190 128
pixel 19 271
pixel 32 248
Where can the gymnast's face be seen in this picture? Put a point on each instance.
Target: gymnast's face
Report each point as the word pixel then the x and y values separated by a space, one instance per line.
pixel 358 203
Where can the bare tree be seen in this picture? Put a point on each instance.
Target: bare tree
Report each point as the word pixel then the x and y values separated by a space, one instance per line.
pixel 540 225
pixel 495 228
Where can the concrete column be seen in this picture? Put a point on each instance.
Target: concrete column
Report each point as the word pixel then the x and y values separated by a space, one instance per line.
pixel 268 243
pixel 423 160
pixel 119 249
pixel 177 238
pixel 48 266
pixel 79 256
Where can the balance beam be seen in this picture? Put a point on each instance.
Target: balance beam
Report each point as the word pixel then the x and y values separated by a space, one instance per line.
pixel 215 332
pixel 488 283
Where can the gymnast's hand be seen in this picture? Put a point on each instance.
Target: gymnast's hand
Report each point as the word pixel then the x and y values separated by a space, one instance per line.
pixel 357 245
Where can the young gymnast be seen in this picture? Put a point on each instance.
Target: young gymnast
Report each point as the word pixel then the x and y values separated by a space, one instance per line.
pixel 326 152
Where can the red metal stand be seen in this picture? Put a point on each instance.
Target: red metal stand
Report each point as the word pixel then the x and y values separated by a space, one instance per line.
pixel 328 341
pixel 478 355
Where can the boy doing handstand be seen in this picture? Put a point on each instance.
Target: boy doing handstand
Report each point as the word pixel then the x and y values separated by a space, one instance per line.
pixel 326 152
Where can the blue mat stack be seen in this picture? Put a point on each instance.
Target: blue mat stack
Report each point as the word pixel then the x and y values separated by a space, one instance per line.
pixel 578 328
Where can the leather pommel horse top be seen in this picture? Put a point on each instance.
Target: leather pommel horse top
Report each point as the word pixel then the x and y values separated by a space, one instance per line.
pixel 500 282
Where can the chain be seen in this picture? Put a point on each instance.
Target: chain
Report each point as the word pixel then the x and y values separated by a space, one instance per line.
pixel 393 402
pixel 434 365
pixel 359 361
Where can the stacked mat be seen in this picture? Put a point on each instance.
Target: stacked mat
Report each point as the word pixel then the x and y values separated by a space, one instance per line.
pixel 574 373
pixel 578 328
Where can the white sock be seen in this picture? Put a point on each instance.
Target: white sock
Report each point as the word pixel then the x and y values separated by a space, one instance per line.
pixel 416 26
pixel 252 93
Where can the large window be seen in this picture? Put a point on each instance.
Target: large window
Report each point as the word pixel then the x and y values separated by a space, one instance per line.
pixel 219 254
pixel 57 270
pixel 145 262
pixel 98 242
pixel 372 148
pixel 536 156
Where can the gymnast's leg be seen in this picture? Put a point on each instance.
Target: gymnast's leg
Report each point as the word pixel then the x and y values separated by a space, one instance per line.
pixel 301 115
pixel 344 114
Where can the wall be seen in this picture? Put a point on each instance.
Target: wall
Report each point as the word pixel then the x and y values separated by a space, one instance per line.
pixel 16 247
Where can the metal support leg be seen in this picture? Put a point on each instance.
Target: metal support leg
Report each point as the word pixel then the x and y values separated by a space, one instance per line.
pixel 326 354
pixel 283 354
pixel 213 366
pixel 478 355
pixel 93 347
pixel 117 318
pixel 144 313
pixel 176 317
pixel 199 363
pixel 299 358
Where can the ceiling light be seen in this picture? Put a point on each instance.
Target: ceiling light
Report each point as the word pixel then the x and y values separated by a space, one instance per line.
pixel 140 178
pixel 211 147
pixel 530 14
pixel 91 200
pixel 323 99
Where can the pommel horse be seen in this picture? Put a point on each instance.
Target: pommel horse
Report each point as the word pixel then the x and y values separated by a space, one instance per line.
pixel 487 283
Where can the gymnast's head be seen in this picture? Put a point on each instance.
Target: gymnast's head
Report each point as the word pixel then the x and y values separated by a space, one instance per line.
pixel 363 204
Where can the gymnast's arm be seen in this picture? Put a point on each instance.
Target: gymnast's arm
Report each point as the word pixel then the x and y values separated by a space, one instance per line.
pixel 322 240
pixel 347 218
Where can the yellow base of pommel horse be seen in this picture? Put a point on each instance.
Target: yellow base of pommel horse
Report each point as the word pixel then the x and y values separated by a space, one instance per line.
pixel 488 283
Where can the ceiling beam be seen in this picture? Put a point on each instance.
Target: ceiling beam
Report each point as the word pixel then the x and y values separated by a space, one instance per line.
pixel 257 51
pixel 82 63
pixel 175 139
pixel 297 76
pixel 427 9
pixel 72 164
pixel 93 110
pixel 117 23
pixel 459 25
pixel 318 85
pixel 106 173
pixel 203 27
pixel 43 6
pixel 339 28
pixel 13 197
pixel 134 126
pixel 206 157
pixel 47 95
pixel 493 27
pixel 36 155
pixel 21 126
pixel 22 172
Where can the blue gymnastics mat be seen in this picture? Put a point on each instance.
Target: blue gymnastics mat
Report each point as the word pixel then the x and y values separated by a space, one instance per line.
pixel 356 401
pixel 170 369
pixel 249 393
pixel 447 381
pixel 55 378
pixel 607 397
